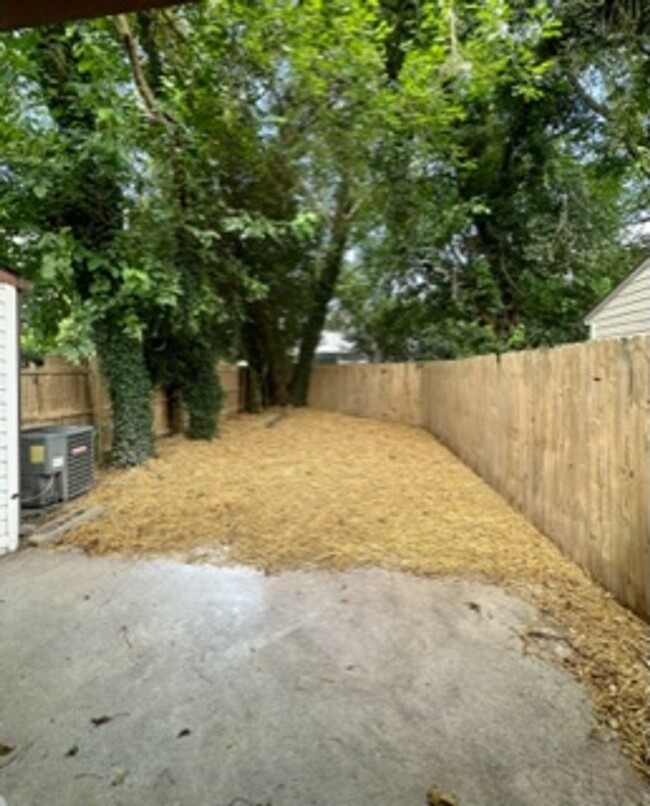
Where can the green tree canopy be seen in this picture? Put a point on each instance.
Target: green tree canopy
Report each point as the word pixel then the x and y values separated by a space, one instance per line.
pixel 214 180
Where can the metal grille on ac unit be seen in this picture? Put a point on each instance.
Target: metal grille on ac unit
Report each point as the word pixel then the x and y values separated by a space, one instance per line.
pixel 56 464
pixel 80 461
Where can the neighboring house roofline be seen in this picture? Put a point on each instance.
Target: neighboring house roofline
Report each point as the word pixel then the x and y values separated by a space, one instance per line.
pixel 9 277
pixel 645 264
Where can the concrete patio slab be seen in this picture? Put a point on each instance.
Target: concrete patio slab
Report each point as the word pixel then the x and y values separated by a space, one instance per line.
pixel 129 682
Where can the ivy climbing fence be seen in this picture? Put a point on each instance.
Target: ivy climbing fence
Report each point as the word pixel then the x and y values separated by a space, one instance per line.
pixel 563 434
pixel 60 393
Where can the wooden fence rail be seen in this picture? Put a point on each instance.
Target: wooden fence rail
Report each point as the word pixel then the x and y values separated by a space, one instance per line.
pixel 59 393
pixel 562 434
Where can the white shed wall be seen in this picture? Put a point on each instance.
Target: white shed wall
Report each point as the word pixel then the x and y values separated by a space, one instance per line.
pixel 9 428
pixel 627 313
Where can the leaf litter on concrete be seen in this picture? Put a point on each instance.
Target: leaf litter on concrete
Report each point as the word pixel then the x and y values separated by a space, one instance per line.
pixel 323 490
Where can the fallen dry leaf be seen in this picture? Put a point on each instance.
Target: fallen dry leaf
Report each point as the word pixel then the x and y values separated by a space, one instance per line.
pixel 436 797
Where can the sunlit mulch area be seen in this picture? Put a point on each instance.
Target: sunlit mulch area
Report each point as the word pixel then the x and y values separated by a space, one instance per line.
pixel 319 490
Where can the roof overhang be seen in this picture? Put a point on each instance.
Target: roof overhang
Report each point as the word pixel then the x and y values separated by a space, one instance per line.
pixel 30 13
pixel 8 277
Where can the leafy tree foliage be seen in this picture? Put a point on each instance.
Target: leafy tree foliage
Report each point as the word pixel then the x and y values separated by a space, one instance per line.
pixel 76 219
pixel 504 233
pixel 439 178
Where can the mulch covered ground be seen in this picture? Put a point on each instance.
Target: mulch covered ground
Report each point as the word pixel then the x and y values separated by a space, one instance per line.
pixel 320 490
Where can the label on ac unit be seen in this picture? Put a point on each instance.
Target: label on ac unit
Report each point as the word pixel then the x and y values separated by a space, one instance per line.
pixel 57 462
pixel 37 454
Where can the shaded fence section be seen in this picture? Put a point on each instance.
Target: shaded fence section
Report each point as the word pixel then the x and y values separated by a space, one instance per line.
pixel 56 393
pixel 59 393
pixel 562 434
pixel 382 391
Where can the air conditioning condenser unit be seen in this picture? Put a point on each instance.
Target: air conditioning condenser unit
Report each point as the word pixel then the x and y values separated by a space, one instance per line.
pixel 56 464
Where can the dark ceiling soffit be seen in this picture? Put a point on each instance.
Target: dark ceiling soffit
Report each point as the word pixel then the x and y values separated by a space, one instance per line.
pixel 30 13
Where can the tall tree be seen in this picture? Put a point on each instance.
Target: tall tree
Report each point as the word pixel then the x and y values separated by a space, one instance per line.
pixel 503 230
pixel 81 210
pixel 285 143
pixel 182 350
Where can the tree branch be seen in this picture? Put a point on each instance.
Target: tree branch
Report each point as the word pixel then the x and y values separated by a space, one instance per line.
pixel 587 98
pixel 605 112
pixel 141 83
pixel 173 25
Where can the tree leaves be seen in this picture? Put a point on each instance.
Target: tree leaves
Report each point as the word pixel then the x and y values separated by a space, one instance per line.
pixel 179 173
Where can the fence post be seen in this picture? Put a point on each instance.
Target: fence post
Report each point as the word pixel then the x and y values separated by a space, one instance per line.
pixel 98 401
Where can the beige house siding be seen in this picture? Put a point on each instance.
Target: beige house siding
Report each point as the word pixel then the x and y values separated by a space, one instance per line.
pixel 626 311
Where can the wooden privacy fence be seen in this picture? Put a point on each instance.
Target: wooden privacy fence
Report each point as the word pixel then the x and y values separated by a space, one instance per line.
pixel 562 434
pixel 60 393
pixel 382 391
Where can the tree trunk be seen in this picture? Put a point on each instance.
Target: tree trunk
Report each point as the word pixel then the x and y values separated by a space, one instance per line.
pixel 254 399
pixel 494 250
pixel 269 362
pixel 323 293
pixel 93 214
pixel 201 389
pixel 123 366
pixel 174 401
pixel 254 352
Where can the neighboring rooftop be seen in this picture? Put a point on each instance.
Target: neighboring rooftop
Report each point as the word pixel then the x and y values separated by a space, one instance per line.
pixel 334 341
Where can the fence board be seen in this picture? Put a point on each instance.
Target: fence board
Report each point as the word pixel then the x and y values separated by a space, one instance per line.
pixel 381 391
pixel 59 393
pixel 229 375
pixel 562 434
pixel 55 393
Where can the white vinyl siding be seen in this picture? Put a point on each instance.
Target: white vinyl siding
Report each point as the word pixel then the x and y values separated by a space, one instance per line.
pixel 627 311
pixel 9 505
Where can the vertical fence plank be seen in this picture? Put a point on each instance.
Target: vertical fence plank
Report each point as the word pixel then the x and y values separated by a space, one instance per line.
pixel 59 393
pixel 563 434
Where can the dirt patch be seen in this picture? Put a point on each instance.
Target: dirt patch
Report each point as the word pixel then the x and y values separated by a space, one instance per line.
pixel 330 491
